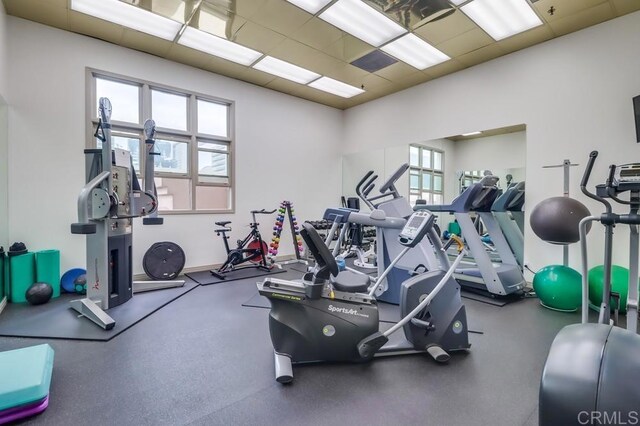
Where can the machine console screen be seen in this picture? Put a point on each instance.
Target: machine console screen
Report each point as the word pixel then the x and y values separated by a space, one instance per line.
pixel 627 173
pixel 416 228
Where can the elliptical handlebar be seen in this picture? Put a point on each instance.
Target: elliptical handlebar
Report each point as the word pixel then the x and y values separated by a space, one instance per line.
pixel 585 179
pixel 368 187
pixel 390 183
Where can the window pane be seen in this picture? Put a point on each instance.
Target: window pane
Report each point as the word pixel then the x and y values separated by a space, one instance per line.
pixel 130 144
pixel 427 196
pixel 213 145
pixel 173 194
pixel 173 157
pixel 437 160
pixel 437 183
pixel 426 158
pixel 414 181
pixel 169 110
pixel 414 156
pixel 437 199
pixel 124 99
pixel 212 118
pixel 212 163
pixel 426 181
pixel 213 198
pixel 412 199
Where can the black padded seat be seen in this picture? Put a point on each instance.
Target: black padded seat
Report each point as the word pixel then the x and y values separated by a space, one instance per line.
pixel 350 282
pixel 226 222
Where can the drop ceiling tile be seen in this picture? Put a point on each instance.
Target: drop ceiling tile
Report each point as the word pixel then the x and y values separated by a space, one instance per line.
pixel 346 73
pixel 257 77
pixel 483 54
pixel 217 21
pixel 374 82
pixel 145 43
pixel 563 8
pixel 465 43
pixel 348 48
pixel 245 8
pixel 95 27
pixel 304 56
pixel 414 13
pixel 13 7
pixel 224 67
pixel 186 55
pixel 444 68
pixel 396 71
pixel 582 19
pixel 317 33
pixel 622 7
pixel 444 29
pixel 178 10
pixel 528 38
pixel 258 37
pixel 281 16
pixel 48 13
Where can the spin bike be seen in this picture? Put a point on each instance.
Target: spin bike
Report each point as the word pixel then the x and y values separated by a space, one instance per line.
pixel 252 250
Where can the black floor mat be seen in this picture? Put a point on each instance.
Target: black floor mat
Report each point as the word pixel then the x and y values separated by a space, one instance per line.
pixel 206 278
pixel 480 296
pixel 56 320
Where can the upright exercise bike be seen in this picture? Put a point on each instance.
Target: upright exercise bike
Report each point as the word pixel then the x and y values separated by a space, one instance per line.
pixel 320 318
pixel 250 251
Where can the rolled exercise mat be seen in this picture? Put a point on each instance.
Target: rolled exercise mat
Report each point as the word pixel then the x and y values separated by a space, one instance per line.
pixel 48 269
pixel 22 273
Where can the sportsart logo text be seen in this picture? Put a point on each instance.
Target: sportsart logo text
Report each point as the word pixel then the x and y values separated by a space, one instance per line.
pixel 347 311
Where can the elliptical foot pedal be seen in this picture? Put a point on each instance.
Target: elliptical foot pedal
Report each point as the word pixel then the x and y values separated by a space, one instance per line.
pixel 368 346
pixel 438 354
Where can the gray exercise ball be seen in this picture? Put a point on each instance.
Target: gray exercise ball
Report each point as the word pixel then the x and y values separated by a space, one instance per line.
pixel 556 219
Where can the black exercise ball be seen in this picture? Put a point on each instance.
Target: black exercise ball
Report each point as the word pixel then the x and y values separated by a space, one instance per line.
pixel 556 219
pixel 39 293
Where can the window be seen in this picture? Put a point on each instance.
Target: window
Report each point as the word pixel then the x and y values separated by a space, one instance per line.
pixel 194 139
pixel 470 177
pixel 426 175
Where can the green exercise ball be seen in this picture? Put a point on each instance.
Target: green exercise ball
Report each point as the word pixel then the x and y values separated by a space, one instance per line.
pixel 559 288
pixel 619 284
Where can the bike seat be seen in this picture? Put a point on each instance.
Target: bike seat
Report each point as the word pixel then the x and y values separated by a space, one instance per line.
pixel 223 223
pixel 263 211
pixel 350 282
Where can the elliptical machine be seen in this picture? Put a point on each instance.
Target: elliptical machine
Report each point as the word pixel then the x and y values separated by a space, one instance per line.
pixel 593 369
pixel 321 318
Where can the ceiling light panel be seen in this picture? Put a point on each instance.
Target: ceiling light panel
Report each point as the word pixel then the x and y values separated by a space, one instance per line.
pixel 129 16
pixel 362 21
pixel 336 87
pixel 311 6
pixel 217 46
pixel 502 19
pixel 415 52
pixel 285 70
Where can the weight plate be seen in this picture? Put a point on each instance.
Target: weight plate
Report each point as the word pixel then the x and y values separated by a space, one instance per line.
pixel 163 261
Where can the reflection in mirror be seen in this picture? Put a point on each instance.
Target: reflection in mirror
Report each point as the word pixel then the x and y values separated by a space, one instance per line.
pixel 4 206
pixel 441 168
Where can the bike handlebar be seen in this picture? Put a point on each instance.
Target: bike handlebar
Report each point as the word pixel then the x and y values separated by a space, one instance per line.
pixel 263 211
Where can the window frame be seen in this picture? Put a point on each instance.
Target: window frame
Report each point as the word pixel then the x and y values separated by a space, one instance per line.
pixel 421 170
pixel 191 136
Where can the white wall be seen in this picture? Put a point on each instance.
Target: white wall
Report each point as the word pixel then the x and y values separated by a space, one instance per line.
pixel 491 153
pixel 4 123
pixel 573 93
pixel 286 148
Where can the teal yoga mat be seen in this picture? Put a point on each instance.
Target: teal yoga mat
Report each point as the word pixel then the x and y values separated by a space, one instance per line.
pixel 48 269
pixel 22 273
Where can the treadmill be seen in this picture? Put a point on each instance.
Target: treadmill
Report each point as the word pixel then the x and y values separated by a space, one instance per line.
pixel 507 210
pixel 499 279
